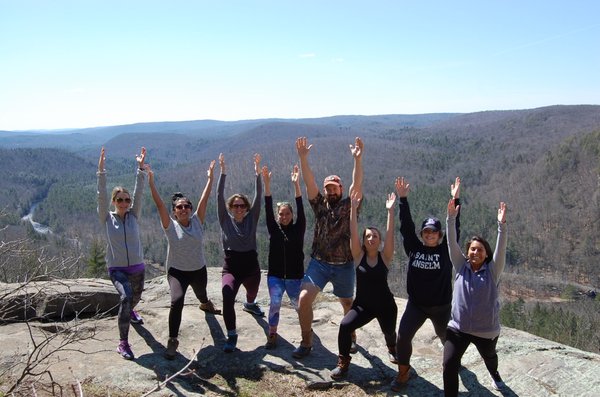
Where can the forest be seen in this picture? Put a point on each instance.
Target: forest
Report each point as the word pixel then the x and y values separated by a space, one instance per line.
pixel 544 163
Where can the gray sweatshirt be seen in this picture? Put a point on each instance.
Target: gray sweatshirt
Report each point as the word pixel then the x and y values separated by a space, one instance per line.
pixel 124 247
pixel 240 237
pixel 475 305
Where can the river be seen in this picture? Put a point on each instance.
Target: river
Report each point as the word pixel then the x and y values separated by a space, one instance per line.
pixel 38 227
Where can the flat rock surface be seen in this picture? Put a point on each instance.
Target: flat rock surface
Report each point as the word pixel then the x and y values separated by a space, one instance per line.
pixel 530 366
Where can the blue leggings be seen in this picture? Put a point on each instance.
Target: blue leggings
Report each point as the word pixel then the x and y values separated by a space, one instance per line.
pixel 277 286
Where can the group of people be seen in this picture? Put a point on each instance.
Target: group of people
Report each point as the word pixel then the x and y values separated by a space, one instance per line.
pixel 355 263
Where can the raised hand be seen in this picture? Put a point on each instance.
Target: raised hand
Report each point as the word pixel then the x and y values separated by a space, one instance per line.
pixel 452 208
pixel 357 149
pixel 150 173
pixel 295 174
pixel 211 169
pixel 140 158
pixel 355 199
pixel 257 159
pixel 101 161
pixel 389 203
pixel 266 174
pixel 402 187
pixel 302 146
pixel 502 212
pixel 222 163
pixel 455 188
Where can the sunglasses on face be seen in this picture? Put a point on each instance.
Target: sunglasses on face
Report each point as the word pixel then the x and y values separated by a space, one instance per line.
pixel 182 206
pixel 242 206
pixel 121 199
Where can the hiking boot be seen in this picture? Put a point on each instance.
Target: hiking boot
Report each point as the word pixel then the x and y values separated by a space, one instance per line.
pixel 231 343
pixel 135 318
pixel 209 307
pixel 342 367
pixel 253 308
pixel 301 351
pixel 497 382
pixel 171 351
pixel 271 342
pixel 125 350
pixel 402 377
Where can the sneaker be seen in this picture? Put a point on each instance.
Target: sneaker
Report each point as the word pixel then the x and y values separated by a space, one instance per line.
pixel 271 342
pixel 392 357
pixel 301 351
pixel 125 350
pixel 135 318
pixel 209 307
pixel 229 346
pixel 253 308
pixel 172 345
pixel 497 382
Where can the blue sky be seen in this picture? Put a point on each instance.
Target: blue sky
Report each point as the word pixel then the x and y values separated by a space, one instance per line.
pixel 83 63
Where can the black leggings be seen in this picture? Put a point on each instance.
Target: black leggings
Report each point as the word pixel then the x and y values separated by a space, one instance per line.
pixel 413 318
pixel 454 348
pixel 179 281
pixel 240 268
pixel 358 316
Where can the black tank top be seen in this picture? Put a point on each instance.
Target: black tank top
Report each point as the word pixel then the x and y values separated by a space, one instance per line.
pixel 372 289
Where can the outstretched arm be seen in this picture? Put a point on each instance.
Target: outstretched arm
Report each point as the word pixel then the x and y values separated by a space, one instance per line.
pixel 303 149
pixel 203 203
pixel 101 189
pixel 163 212
pixel 456 255
pixel 266 176
pixel 388 245
pixel 455 192
pixel 357 173
pixel 500 251
pixel 355 244
pixel 296 181
pixel 258 187
pixel 221 206
pixel 138 190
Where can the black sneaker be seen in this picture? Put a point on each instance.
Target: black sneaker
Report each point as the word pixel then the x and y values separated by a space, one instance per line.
pixel 253 308
pixel 172 345
pixel 231 343
pixel 497 382
pixel 301 351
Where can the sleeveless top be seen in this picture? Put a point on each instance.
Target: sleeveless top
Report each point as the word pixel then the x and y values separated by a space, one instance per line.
pixel 372 288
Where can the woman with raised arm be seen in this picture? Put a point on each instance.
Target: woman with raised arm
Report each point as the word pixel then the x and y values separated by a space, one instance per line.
pixel 186 265
pixel 373 296
pixel 428 279
pixel 124 253
pixel 239 220
pixel 286 251
pixel 475 306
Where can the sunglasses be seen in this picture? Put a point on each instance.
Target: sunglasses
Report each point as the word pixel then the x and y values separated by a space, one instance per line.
pixel 121 199
pixel 238 206
pixel 182 206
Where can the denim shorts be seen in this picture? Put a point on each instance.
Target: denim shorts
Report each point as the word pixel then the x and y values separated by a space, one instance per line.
pixel 342 277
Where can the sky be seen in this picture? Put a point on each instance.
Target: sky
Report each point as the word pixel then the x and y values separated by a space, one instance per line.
pixel 88 63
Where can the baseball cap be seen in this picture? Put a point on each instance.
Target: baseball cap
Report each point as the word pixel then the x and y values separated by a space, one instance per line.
pixel 431 224
pixel 332 180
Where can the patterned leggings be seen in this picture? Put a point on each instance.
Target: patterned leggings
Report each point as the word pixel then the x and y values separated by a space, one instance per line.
pixel 129 287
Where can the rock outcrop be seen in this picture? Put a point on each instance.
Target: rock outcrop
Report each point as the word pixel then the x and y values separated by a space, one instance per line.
pixel 530 366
